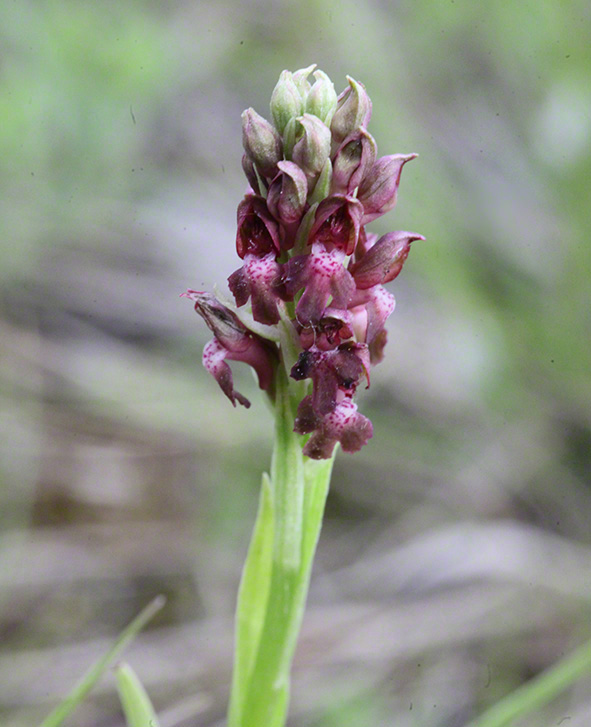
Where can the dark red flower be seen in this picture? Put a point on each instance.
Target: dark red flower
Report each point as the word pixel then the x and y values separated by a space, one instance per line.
pixel 337 223
pixel 332 371
pixel 343 424
pixel 322 274
pixel 233 341
pixel 258 232
pixel 258 280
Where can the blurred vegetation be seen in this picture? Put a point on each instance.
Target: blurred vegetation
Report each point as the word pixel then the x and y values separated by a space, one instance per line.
pixel 456 556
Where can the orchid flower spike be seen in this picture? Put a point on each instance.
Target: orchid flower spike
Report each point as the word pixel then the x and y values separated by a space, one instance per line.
pixel 309 295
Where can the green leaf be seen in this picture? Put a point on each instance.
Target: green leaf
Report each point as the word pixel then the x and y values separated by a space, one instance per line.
pixel 69 704
pixel 317 478
pixel 538 691
pixel 137 708
pixel 253 597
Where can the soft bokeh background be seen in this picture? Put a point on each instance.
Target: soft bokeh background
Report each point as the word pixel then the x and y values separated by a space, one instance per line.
pixel 455 561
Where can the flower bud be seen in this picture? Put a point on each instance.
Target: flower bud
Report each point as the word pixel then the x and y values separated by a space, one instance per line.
pixel 286 101
pixel 312 149
pixel 300 78
pixel 379 189
pixel 354 158
pixel 353 110
pixel 322 99
pixel 261 142
pixel 288 192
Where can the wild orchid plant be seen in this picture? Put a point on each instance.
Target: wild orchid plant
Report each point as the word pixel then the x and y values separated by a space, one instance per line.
pixel 308 315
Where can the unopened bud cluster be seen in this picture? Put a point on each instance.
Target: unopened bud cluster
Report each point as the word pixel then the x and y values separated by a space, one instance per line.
pixel 308 263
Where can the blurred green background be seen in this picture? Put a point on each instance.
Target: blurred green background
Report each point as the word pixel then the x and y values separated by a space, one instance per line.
pixel 455 561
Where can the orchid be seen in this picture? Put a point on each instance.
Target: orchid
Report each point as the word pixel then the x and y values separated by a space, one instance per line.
pixel 308 315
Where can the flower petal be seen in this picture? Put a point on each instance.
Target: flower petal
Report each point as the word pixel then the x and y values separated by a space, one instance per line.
pixel 214 355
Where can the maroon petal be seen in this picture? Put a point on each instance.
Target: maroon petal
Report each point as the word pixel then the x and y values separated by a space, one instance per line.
pixel 258 279
pixel 306 419
pixel 345 425
pixel 337 223
pixel 377 304
pixel 213 360
pixel 233 341
pixel 324 276
pixel 376 347
pixel 258 232
pixel 331 372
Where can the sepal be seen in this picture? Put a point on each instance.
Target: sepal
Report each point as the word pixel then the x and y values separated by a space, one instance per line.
pixel 384 260
pixel 379 190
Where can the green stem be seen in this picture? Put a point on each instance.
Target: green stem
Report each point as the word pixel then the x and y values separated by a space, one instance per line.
pixel 269 616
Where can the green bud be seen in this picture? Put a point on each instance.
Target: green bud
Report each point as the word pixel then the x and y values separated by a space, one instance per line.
pixel 300 78
pixel 261 142
pixel 313 147
pixel 353 111
pixel 322 99
pixel 286 101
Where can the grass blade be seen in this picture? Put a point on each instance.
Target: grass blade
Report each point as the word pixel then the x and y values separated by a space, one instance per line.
pixel 69 704
pixel 538 691
pixel 136 704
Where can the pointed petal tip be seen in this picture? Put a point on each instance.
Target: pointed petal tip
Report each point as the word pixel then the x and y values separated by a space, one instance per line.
pixel 191 294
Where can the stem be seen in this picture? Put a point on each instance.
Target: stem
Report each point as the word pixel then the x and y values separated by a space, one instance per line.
pixel 264 651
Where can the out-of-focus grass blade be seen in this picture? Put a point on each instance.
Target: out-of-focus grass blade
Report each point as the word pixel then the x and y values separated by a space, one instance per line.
pixel 137 708
pixel 95 672
pixel 539 691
